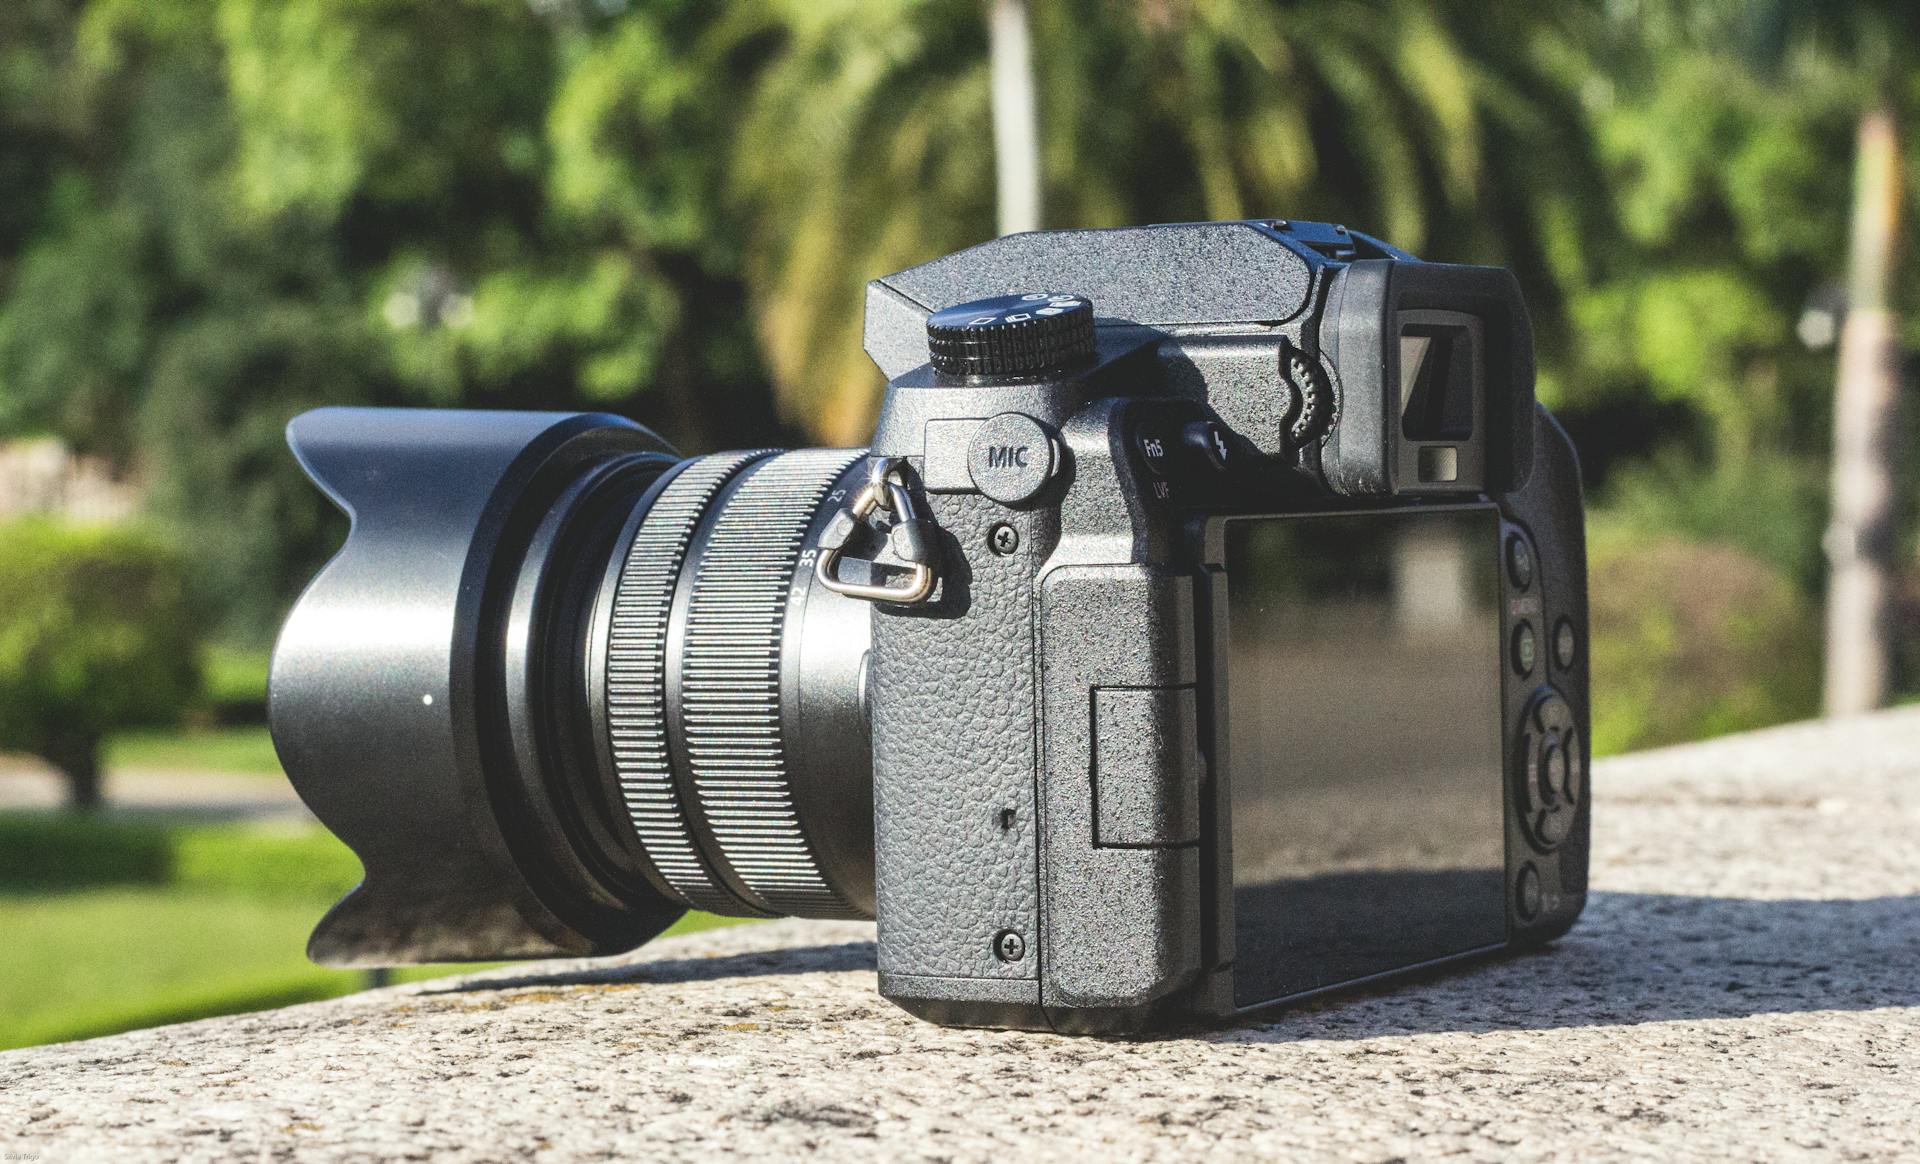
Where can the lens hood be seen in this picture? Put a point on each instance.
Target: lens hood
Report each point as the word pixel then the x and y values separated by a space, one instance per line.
pixel 399 696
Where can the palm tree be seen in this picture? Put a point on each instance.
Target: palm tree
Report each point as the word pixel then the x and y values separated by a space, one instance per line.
pixel 868 145
pixel 1869 40
pixel 1016 132
pixel 1859 541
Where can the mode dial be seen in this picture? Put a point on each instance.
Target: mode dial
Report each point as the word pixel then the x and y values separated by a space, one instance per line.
pixel 1023 334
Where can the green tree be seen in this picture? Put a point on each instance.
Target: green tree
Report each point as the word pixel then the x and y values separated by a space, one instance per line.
pixel 96 634
pixel 1446 127
pixel 261 207
pixel 215 214
pixel 1732 134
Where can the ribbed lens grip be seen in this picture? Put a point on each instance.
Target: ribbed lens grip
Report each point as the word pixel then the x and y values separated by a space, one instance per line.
pixel 730 683
pixel 636 673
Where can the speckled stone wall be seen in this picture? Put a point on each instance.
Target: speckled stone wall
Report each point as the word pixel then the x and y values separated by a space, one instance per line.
pixel 1745 985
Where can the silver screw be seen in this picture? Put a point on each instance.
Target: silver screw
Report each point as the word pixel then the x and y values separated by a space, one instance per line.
pixel 1009 946
pixel 1003 539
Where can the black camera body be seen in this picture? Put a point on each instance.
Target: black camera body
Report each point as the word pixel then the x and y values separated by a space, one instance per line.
pixel 1204 629
pixel 1059 796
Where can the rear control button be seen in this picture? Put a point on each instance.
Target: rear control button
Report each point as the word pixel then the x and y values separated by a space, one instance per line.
pixel 1519 561
pixel 1553 772
pixel 1524 648
pixel 1572 775
pixel 1155 453
pixel 1550 780
pixel 1526 893
pixel 1210 440
pixel 1566 643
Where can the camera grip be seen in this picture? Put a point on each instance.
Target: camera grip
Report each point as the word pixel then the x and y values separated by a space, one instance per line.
pixel 954 753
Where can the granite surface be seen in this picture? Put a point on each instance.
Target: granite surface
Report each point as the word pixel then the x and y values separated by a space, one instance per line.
pixel 1745 985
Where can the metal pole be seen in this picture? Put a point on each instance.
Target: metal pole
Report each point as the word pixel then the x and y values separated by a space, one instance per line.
pixel 1016 133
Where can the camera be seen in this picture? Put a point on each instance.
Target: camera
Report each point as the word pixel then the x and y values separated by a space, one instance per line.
pixel 1204 629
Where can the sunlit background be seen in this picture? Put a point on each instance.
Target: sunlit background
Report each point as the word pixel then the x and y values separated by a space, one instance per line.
pixel 217 213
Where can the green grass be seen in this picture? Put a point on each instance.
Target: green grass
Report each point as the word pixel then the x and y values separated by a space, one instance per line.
pixel 114 925
pixel 247 750
pixel 43 851
pixel 86 962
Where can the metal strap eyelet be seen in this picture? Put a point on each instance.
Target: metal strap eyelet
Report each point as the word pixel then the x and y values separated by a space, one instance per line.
pixel 911 538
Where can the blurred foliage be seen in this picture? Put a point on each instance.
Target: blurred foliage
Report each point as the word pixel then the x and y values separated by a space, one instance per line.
pixel 234 686
pixel 96 633
pixel 40 851
pixel 243 750
pixel 1694 639
pixel 216 213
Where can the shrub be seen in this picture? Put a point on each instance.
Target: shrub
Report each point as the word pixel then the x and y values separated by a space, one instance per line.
pixel 236 686
pixel 1694 639
pixel 96 634
pixel 43 851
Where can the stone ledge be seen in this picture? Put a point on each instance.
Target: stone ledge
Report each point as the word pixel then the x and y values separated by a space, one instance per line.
pixel 1745 985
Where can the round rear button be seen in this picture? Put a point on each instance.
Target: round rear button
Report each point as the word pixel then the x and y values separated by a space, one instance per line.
pixel 1524 648
pixel 1154 451
pixel 1519 561
pixel 1211 442
pixel 1553 773
pixel 1550 778
pixel 1526 893
pixel 1566 644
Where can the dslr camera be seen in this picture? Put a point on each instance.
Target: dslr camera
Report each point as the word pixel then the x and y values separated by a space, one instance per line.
pixel 1204 629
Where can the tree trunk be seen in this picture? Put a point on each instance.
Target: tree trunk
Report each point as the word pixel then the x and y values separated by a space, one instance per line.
pixel 1859 539
pixel 78 759
pixel 1016 133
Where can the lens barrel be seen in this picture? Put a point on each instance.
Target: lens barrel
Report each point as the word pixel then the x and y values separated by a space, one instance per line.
pixel 560 685
pixel 733 718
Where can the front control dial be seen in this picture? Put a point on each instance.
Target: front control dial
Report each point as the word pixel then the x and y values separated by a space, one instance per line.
pixel 1552 772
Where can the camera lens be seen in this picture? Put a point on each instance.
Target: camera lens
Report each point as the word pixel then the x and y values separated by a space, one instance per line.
pixel 561 685
pixel 732 717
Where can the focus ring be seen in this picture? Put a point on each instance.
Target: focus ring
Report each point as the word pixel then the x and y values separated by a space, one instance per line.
pixel 730 683
pixel 636 673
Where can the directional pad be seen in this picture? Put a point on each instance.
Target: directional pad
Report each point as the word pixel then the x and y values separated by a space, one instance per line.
pixel 1551 777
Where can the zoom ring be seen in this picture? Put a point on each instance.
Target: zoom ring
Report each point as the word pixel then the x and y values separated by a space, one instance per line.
pixel 636 674
pixel 730 682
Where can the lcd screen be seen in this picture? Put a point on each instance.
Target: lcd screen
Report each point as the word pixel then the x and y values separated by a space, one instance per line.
pixel 1364 736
